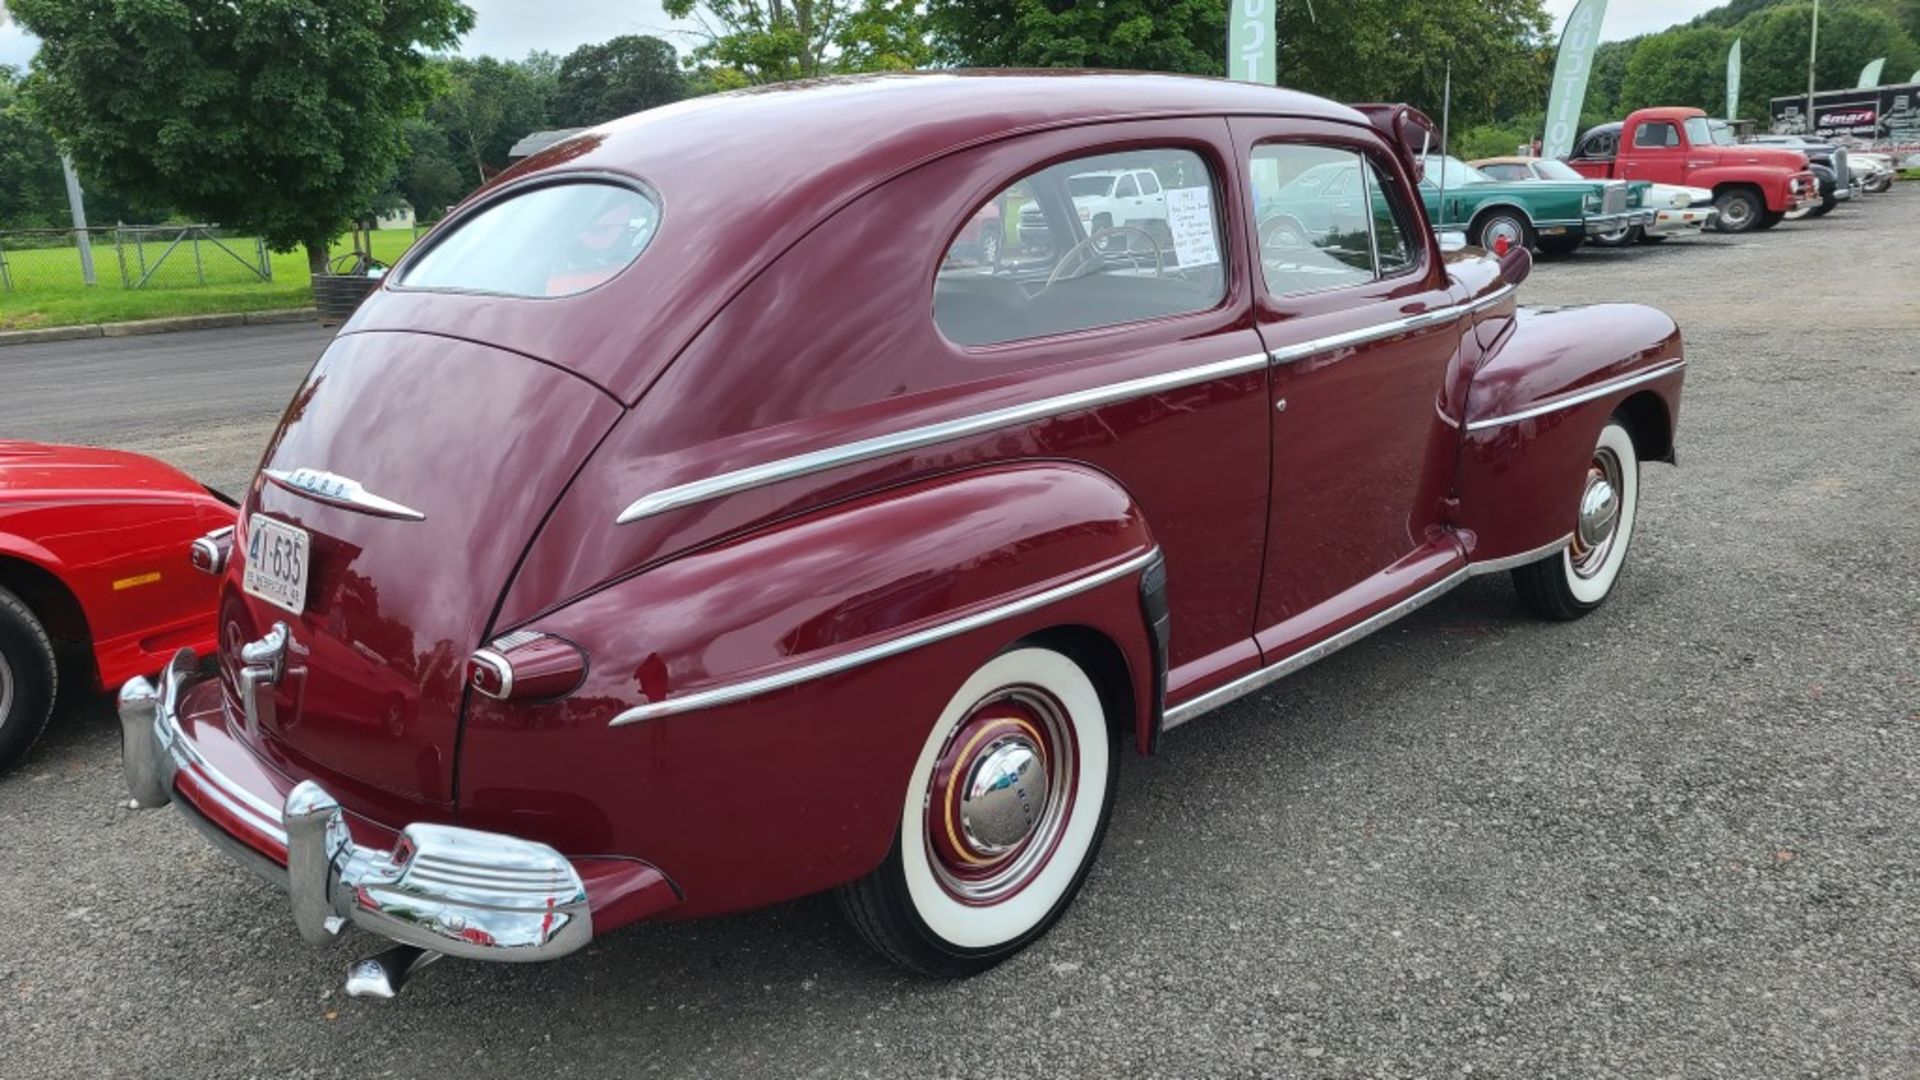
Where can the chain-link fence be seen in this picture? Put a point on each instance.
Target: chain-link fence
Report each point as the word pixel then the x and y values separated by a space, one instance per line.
pixel 129 257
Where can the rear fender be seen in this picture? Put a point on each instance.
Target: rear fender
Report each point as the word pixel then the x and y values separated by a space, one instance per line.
pixel 752 710
pixel 1546 386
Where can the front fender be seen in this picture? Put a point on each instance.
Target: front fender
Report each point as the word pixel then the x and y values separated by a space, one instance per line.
pixel 1771 183
pixel 752 710
pixel 1547 384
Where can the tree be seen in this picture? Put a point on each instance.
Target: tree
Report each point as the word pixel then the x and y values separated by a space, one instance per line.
pixel 1774 55
pixel 1143 35
pixel 430 179
pixel 1679 67
pixel 285 117
pixel 32 191
pixel 596 83
pixel 1362 50
pixel 747 42
pixel 486 106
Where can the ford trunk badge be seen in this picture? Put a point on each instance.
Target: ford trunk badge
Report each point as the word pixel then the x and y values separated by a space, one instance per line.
pixel 341 491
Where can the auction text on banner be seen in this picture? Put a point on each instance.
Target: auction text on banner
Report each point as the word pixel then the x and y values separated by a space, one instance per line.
pixel 1250 40
pixel 1570 72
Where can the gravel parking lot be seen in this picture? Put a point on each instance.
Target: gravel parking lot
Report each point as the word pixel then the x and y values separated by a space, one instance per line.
pixel 1679 838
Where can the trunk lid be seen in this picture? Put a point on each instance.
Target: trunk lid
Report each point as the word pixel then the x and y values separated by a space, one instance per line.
pixel 419 467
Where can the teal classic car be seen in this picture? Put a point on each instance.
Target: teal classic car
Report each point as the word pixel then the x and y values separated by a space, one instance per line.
pixel 1554 215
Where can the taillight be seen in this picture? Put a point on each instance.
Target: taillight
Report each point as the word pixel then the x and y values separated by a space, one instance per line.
pixel 527 665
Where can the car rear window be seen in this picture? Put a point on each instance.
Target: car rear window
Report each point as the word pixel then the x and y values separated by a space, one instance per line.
pixel 554 240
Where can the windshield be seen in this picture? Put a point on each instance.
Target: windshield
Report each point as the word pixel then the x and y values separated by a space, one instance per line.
pixel 1456 172
pixel 1550 169
pixel 550 241
pixel 1090 185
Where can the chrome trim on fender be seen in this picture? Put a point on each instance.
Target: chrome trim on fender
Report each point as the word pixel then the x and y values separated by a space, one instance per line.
pixel 1247 684
pixel 788 468
pixel 342 491
pixel 721 695
pixel 1512 562
pixel 833 457
pixel 1581 397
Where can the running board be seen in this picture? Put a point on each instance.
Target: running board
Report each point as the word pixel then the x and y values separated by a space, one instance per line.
pixel 1266 676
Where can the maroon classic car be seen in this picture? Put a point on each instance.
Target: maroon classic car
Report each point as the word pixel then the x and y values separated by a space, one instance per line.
pixel 655 543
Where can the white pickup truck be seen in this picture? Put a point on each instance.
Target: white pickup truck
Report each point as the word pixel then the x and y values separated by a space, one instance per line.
pixel 1105 199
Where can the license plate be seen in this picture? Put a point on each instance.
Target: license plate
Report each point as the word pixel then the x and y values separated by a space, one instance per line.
pixel 276 563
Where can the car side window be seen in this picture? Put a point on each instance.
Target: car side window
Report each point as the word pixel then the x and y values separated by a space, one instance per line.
pixel 1656 134
pixel 1505 172
pixel 1325 218
pixel 1069 254
pixel 1148 184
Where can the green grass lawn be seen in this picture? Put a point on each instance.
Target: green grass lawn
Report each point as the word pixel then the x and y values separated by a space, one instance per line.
pixel 48 290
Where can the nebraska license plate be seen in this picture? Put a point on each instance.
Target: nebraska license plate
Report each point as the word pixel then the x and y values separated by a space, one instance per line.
pixel 276 563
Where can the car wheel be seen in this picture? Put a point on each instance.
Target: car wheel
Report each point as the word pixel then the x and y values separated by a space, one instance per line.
pixel 1769 219
pixel 28 679
pixel 1822 209
pixel 1740 210
pixel 1002 816
pixel 1578 579
pixel 1507 224
pixel 1621 237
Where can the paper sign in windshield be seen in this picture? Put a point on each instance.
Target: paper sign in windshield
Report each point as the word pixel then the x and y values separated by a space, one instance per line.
pixel 1190 218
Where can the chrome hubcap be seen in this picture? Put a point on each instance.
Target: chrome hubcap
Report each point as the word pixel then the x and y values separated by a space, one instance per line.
pixel 1599 514
pixel 1734 213
pixel 1000 795
pixel 1502 228
pixel 1003 796
pixel 1598 508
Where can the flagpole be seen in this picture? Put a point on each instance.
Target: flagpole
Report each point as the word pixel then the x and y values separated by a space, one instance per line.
pixel 1813 48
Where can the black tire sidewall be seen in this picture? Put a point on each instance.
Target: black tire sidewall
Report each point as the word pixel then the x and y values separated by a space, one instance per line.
pixel 30 657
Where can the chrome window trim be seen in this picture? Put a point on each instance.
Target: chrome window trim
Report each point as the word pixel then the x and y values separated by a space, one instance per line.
pixel 1581 397
pixel 765 684
pixel 832 457
pixel 1247 684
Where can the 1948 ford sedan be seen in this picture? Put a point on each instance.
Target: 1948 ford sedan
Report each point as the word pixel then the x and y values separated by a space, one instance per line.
pixel 659 542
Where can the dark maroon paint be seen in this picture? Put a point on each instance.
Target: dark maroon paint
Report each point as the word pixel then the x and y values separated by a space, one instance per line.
pixel 771 320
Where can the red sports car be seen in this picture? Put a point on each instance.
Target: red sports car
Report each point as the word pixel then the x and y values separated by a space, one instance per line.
pixel 95 581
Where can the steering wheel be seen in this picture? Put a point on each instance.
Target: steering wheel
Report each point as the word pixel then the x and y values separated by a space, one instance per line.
pixel 1089 246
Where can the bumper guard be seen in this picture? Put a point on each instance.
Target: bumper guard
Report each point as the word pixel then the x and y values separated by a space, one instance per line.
pixel 442 889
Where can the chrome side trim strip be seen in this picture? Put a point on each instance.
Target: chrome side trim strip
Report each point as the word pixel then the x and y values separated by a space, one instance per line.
pixel 1289 353
pixel 1510 562
pixel 721 695
pixel 787 468
pixel 1247 684
pixel 1581 397
pixel 851 453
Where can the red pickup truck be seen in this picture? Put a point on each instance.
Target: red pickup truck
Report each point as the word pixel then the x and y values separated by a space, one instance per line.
pixel 1753 186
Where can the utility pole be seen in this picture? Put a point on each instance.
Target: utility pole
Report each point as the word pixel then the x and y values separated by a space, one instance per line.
pixel 77 203
pixel 1813 50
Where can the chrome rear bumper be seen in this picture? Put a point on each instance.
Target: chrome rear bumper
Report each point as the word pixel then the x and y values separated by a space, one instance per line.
pixel 460 892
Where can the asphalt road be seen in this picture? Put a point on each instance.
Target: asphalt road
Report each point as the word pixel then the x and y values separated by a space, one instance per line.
pixel 1679 838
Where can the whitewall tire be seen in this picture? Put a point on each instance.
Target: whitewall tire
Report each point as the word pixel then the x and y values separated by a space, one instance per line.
pixel 1573 582
pixel 1001 819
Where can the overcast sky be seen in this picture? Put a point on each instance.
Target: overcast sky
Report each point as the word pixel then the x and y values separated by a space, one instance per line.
pixel 513 28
